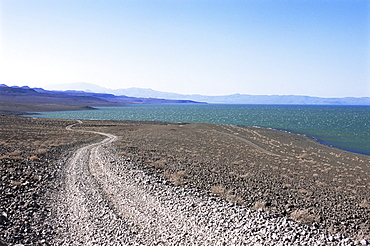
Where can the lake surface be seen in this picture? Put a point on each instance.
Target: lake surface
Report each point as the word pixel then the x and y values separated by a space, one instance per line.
pixel 345 127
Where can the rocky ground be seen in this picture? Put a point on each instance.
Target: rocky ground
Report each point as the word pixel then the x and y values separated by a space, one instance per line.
pixel 276 172
pixel 29 154
pixel 209 174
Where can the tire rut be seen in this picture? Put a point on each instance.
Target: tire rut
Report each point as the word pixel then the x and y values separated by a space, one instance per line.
pixel 84 216
pixel 106 200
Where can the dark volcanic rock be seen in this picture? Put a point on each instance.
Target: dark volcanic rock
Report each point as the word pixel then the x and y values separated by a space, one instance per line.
pixel 25 183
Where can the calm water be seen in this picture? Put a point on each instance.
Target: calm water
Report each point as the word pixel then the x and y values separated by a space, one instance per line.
pixel 345 127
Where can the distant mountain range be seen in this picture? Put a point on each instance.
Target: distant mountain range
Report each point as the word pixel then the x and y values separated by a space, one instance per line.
pixel 227 99
pixel 20 100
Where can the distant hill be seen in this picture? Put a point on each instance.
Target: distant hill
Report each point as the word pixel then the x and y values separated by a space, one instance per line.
pixel 227 99
pixel 19 100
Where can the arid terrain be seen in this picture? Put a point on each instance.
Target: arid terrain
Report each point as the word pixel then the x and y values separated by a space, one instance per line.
pixel 283 175
pixel 29 150
pixel 24 100
pixel 273 171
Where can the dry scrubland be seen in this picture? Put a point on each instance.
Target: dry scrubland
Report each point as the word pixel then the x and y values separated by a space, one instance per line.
pixel 273 171
pixel 280 173
pixel 32 138
pixel 29 149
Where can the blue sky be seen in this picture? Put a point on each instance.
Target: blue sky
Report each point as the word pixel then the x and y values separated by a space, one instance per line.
pixel 218 47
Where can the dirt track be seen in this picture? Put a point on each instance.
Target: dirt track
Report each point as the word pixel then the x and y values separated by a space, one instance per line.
pixel 171 184
pixel 108 201
pixel 280 173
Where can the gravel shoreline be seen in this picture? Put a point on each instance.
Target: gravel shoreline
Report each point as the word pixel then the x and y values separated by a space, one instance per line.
pixel 150 185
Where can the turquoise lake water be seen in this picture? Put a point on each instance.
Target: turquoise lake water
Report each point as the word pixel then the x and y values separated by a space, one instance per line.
pixel 345 127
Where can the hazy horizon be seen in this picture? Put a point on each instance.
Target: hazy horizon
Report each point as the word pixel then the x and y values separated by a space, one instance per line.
pixel 286 47
pixel 72 86
pixel 89 87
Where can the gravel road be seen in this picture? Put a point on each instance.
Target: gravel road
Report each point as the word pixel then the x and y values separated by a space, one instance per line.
pixel 105 199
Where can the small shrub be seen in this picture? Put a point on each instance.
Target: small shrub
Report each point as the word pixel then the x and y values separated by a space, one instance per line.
pixel 41 151
pixel 259 206
pixel 303 156
pixel 302 191
pixel 303 216
pixel 159 164
pixel 214 170
pixel 244 176
pixel 233 198
pixel 218 190
pixel 15 183
pixel 37 177
pixel 16 158
pixel 177 178
pixel 228 195
pixel 4 157
pixel 15 153
pixel 365 204
pixel 34 158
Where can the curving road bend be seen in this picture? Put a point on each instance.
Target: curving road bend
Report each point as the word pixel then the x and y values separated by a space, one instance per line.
pixel 84 216
pixel 105 200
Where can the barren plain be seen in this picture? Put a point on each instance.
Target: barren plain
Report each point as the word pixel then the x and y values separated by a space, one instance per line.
pixel 279 174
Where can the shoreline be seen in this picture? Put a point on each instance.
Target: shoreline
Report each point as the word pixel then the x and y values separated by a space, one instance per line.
pixel 61 108
pixel 312 137
pixel 330 134
pixel 31 109
pixel 277 129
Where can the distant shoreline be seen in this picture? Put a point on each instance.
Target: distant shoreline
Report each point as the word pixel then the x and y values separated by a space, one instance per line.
pixel 312 137
pixel 195 114
pixel 29 109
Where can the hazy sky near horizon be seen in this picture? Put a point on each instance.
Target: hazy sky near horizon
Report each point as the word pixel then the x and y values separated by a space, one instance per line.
pixel 210 47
